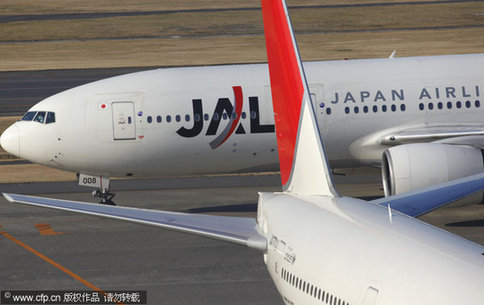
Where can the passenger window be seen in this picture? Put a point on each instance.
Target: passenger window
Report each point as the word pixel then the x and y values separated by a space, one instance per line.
pixel 244 115
pixel 449 105
pixel 347 110
pixel 478 104
pixel 439 105
pixel 50 118
pixel 357 109
pixel 421 106
pixel 365 109
pixel 197 117
pixel 384 108
pixel 29 116
pixel 149 119
pixel 187 118
pixel 206 117
pixel 158 119
pixel 468 104
pixel 168 118
pixel 215 116
pixel 402 107
pixel 328 111
pixel 252 115
pixel 40 117
pixel 431 106
pixel 375 108
pixel 224 115
pixel 459 104
pixel 177 118
pixel 393 107
pixel 129 120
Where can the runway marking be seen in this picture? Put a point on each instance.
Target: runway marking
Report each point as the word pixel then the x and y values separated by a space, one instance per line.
pixel 58 266
pixel 46 229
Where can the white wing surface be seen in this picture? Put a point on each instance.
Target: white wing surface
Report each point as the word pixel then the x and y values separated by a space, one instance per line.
pixel 422 201
pixel 239 230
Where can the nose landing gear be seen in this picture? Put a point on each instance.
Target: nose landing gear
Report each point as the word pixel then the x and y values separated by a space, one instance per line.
pixel 102 185
pixel 105 195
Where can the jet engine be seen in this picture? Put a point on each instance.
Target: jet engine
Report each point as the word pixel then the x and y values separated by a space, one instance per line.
pixel 411 166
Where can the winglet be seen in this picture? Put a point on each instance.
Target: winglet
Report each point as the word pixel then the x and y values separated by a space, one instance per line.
pixel 303 163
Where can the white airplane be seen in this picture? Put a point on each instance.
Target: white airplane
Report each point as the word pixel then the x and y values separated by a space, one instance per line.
pixel 319 247
pixel 419 118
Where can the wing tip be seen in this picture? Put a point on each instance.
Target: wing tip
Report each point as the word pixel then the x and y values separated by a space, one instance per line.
pixel 8 197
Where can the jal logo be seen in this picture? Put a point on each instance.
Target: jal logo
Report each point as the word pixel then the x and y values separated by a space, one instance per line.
pixel 233 113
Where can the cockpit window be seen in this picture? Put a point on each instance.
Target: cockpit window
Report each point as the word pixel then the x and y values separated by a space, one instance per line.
pixel 29 116
pixel 40 117
pixel 50 118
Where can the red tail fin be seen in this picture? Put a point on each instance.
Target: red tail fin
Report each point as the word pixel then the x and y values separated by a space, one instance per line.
pixel 303 163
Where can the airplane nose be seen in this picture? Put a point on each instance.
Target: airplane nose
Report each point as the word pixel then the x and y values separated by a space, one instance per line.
pixel 10 140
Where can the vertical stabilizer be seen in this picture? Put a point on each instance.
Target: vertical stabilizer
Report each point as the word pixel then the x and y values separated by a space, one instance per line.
pixel 303 163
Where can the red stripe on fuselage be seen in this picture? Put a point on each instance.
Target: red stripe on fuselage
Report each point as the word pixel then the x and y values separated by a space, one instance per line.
pixel 286 82
pixel 239 98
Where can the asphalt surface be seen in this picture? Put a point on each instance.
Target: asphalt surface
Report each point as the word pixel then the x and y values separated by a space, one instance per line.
pixel 173 268
pixel 21 90
pixel 93 15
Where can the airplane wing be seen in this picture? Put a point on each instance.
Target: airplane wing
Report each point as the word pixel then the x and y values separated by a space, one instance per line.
pixel 422 201
pixel 462 134
pixel 238 230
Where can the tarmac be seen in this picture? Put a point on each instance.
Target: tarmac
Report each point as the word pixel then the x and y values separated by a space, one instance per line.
pixel 20 90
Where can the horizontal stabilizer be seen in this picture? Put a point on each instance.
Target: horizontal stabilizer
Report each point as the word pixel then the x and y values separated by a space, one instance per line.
pixel 238 230
pixel 422 201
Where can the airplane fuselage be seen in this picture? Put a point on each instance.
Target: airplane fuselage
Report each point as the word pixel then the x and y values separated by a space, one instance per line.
pixel 219 119
pixel 329 260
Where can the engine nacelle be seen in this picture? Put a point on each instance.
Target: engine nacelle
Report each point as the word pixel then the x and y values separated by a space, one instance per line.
pixel 412 166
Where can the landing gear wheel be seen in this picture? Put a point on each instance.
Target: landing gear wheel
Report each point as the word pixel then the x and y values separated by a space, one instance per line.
pixel 106 197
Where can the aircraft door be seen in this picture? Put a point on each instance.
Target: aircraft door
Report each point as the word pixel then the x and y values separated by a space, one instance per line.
pixel 124 127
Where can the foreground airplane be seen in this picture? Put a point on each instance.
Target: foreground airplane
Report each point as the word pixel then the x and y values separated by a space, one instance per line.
pixel 319 247
pixel 419 118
